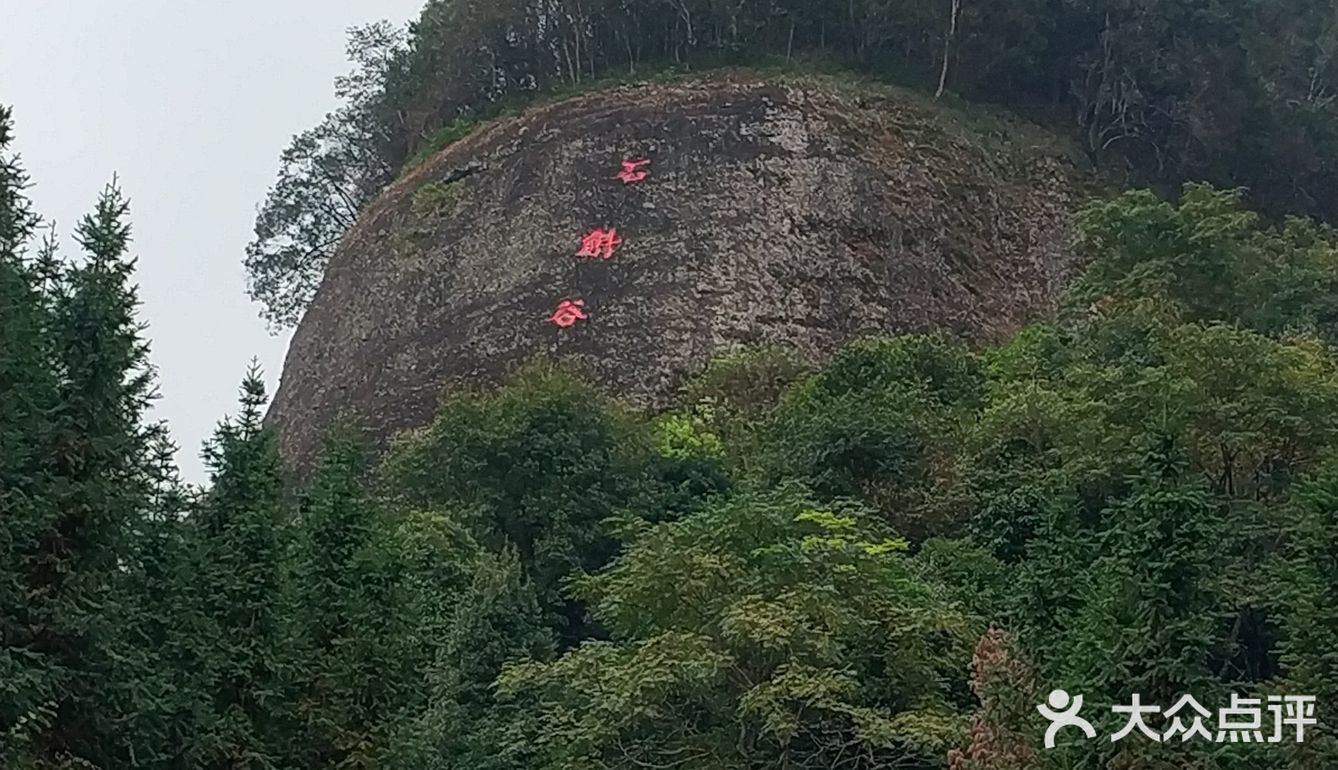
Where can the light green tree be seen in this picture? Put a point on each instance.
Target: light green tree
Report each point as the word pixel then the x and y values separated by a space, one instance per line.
pixel 765 631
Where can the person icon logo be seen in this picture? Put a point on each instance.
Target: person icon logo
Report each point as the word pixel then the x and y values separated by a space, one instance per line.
pixel 1063 712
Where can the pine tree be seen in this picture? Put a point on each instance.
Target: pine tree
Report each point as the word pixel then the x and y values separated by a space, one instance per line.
pixel 237 531
pixel 498 619
pixel 102 459
pixel 29 666
pixel 342 613
pixel 335 523
pixel 74 480
pixel 166 700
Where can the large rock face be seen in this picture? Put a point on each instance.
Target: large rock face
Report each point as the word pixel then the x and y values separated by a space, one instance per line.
pixel 799 212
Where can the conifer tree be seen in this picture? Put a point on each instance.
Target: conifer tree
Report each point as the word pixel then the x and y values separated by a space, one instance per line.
pixel 414 572
pixel 238 534
pixel 345 615
pixel 166 699
pixel 75 480
pixel 335 523
pixel 29 666
pixel 497 620
pixel 103 458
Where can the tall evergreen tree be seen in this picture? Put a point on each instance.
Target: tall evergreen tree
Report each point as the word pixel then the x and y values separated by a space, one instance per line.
pixel 76 480
pixel 28 667
pixel 103 458
pixel 164 697
pixel 349 620
pixel 238 534
pixel 498 620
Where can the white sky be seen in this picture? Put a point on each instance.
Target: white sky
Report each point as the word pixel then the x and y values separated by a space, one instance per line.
pixel 189 102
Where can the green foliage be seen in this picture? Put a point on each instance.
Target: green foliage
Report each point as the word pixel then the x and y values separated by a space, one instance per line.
pixel 443 138
pixel 976 582
pixel 497 619
pixel 336 598
pixel 1211 259
pixel 1147 621
pixel 761 632
pixel 371 592
pixel 77 482
pixel 1137 461
pixel 27 433
pixel 435 198
pixel 878 423
pixel 1306 598
pixel 737 393
pixel 541 466
pixel 537 466
pixel 326 175
pixel 164 700
pixel 683 437
pixel 237 532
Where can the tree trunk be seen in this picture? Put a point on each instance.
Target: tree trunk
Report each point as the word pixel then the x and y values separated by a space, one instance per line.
pixel 577 30
pixel 948 41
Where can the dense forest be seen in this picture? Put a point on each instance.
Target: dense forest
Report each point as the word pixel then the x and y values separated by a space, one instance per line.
pixel 885 562
pixel 1236 93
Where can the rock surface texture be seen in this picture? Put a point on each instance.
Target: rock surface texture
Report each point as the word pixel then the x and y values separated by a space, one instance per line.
pixel 798 212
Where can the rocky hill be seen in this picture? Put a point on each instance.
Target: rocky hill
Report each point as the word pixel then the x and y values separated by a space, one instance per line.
pixel 803 212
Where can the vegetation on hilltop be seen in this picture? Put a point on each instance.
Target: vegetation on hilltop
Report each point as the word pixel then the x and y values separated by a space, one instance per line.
pixel 1233 92
pixel 882 563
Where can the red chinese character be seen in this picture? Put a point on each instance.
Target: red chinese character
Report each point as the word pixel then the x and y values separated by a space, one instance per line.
pixel 599 244
pixel 631 173
pixel 568 313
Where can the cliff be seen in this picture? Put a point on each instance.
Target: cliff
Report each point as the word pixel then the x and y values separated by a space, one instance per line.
pixel 801 212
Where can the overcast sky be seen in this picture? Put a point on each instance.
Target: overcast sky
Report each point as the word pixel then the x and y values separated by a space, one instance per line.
pixel 189 104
